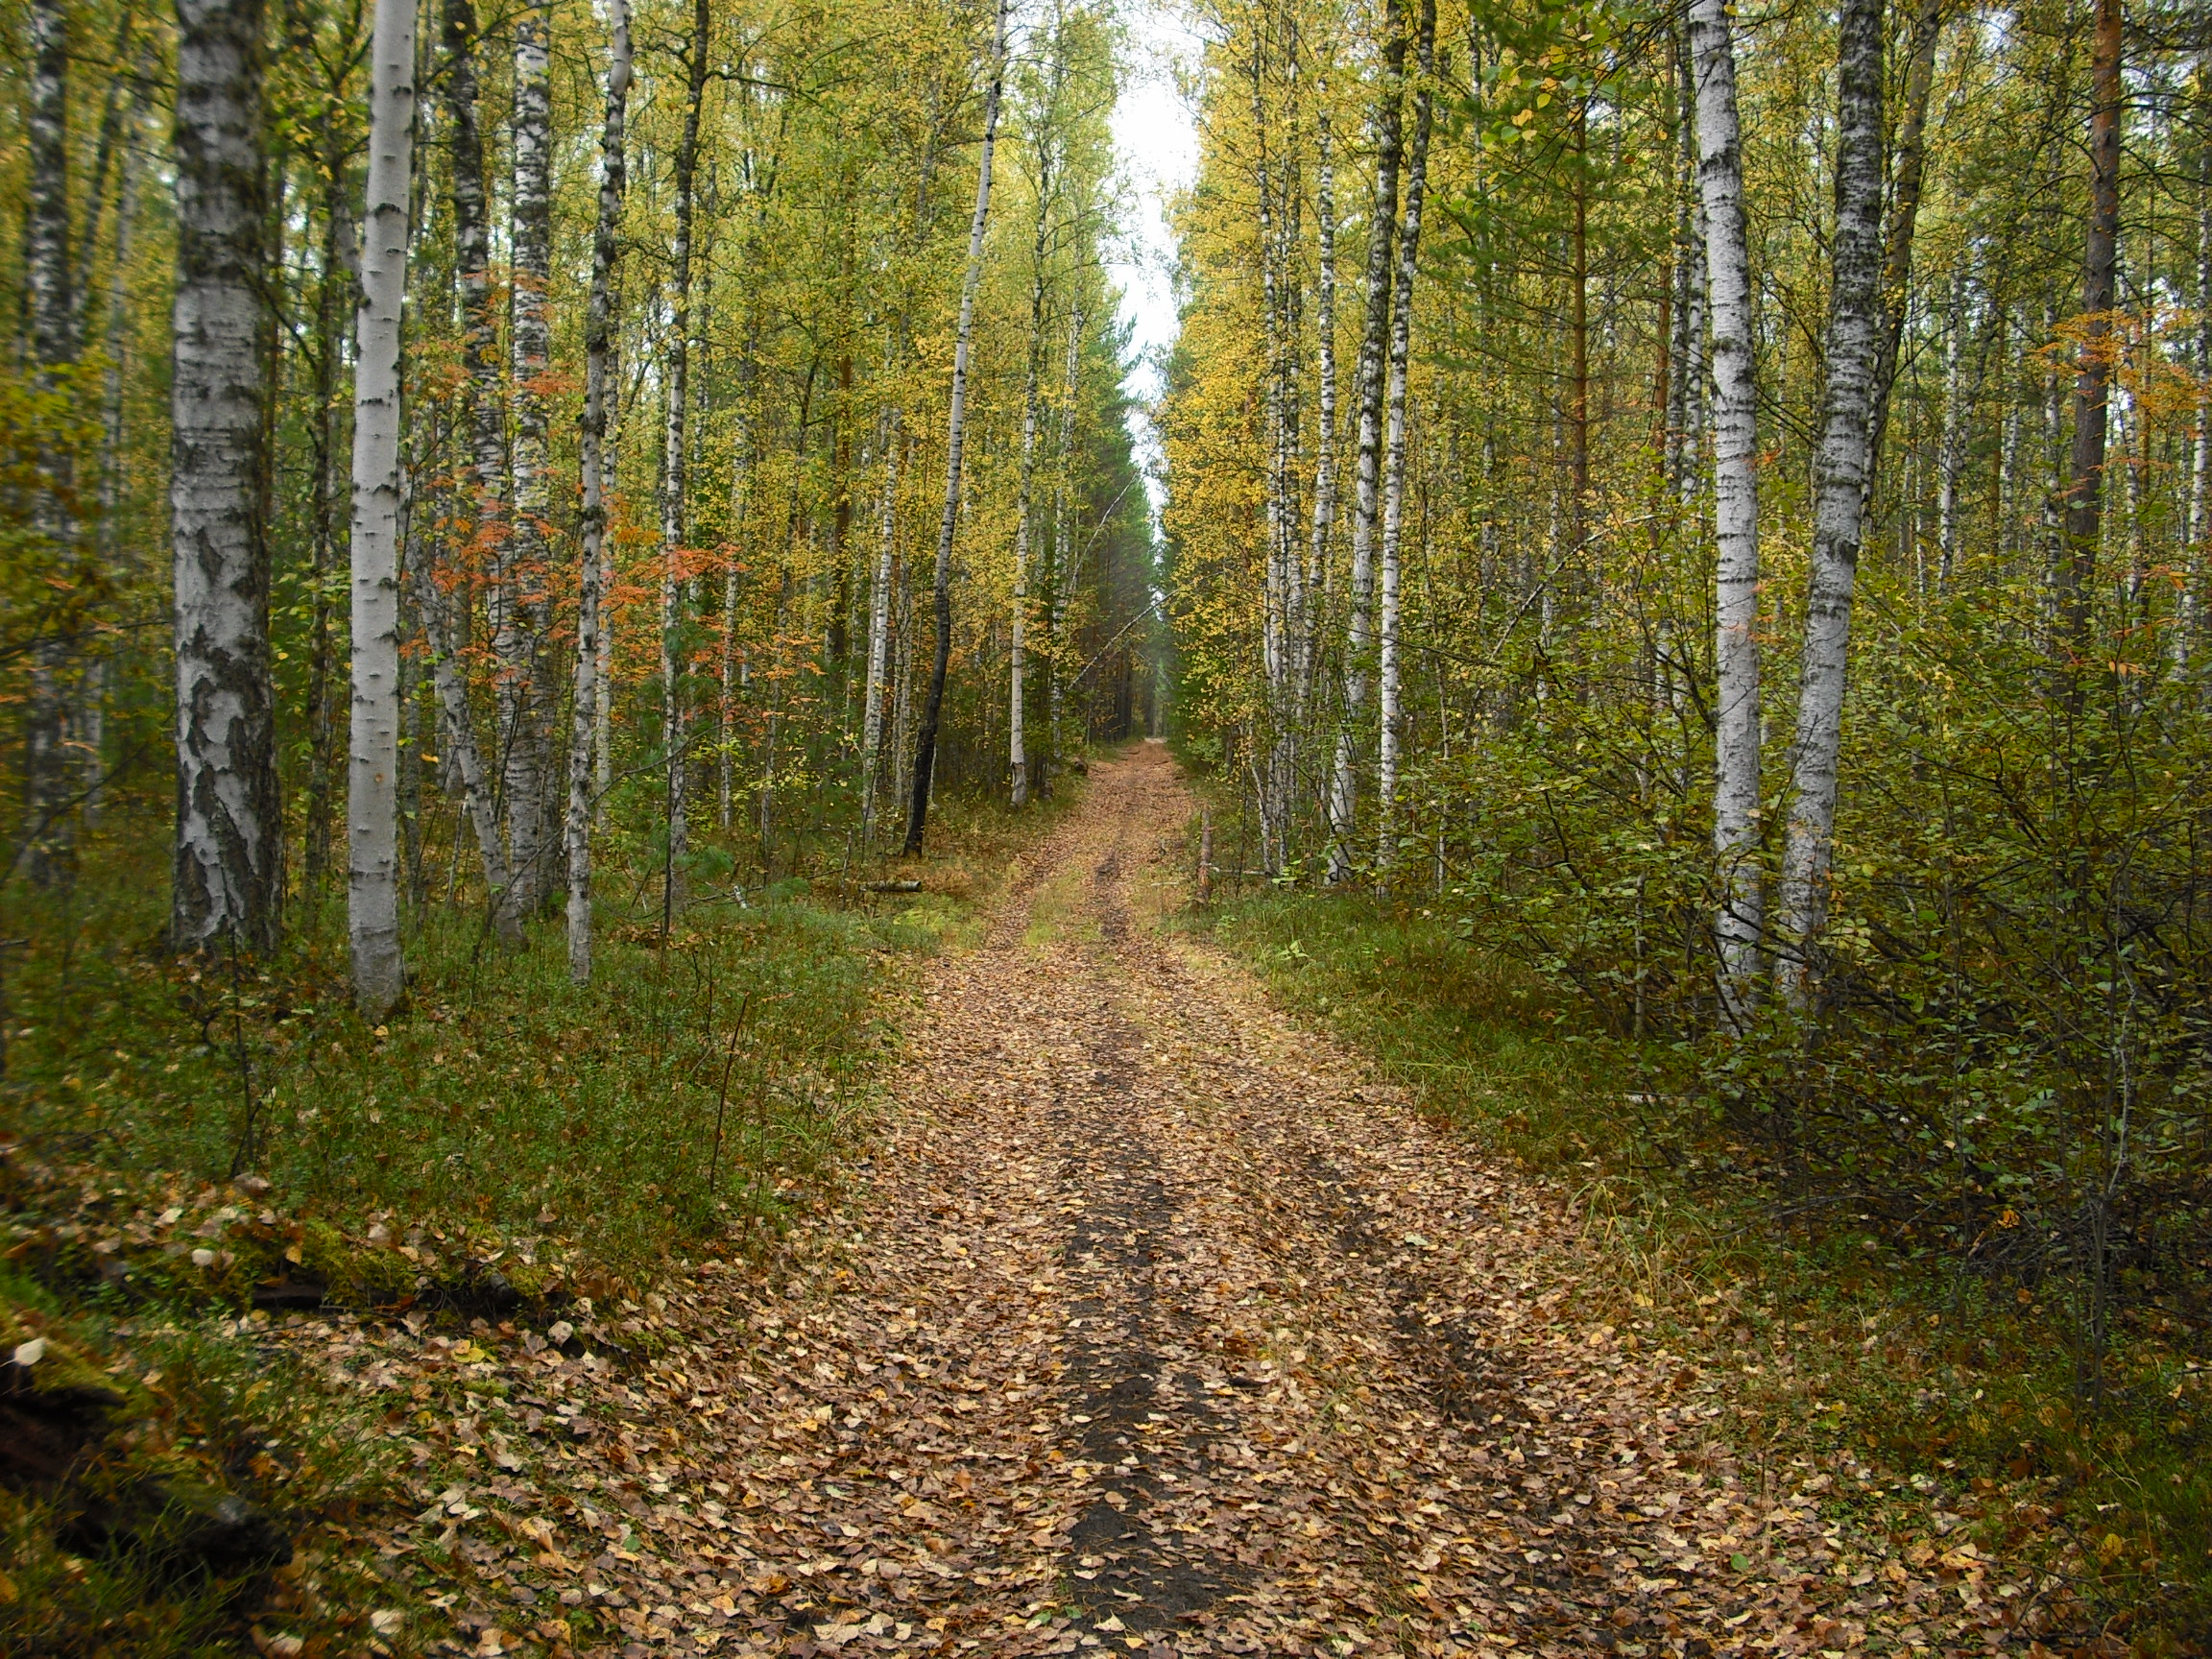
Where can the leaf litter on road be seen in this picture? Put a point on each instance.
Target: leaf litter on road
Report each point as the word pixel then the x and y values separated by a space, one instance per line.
pixel 1149 1324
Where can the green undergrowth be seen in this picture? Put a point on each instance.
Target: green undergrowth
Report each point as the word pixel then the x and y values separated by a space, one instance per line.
pixel 169 1484
pixel 188 1149
pixel 699 1085
pixel 1941 1399
pixel 695 1084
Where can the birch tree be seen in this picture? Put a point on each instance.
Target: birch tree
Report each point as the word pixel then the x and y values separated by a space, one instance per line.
pixel 955 436
pixel 1325 428
pixel 1043 142
pixel 52 304
pixel 675 468
pixel 2084 499
pixel 1060 584
pixel 1845 460
pixel 599 367
pixel 1394 487
pixel 1737 924
pixel 373 754
pixel 230 849
pixel 484 471
pixel 880 617
pixel 522 617
pixel 1374 347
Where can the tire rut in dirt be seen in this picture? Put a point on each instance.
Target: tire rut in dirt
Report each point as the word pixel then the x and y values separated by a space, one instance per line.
pixel 1148 1417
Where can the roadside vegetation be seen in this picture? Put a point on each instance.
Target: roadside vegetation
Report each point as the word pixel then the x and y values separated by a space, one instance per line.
pixel 193 1157
pixel 1961 1390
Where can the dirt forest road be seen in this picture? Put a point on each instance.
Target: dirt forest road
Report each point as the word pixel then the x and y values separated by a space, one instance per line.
pixel 1151 1326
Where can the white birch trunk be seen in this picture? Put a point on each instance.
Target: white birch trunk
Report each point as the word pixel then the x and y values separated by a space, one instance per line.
pixel 879 621
pixel 1392 733
pixel 2190 611
pixel 1274 592
pixel 1853 353
pixel 50 296
pixel 524 718
pixel 1017 662
pixel 726 708
pixel 230 854
pixel 1950 459
pixel 598 381
pixel 1325 437
pixel 957 433
pixel 1060 593
pixel 1736 507
pixel 373 748
pixel 675 477
pixel 1343 791
pixel 118 340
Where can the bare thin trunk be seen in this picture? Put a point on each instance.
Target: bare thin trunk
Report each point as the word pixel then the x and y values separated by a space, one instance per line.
pixel 726 706
pixel 1274 601
pixel 524 599
pixel 435 606
pixel 2093 380
pixel 933 704
pixel 598 381
pixel 1060 591
pixel 49 823
pixel 1736 506
pixel 879 600
pixel 1374 345
pixel 1845 459
pixel 1686 406
pixel 323 507
pixel 1951 457
pixel 113 554
pixel 1392 734
pixel 675 473
pixel 2188 634
pixel 1017 649
pixel 372 752
pixel 1325 437
pixel 230 865
pixel 1908 168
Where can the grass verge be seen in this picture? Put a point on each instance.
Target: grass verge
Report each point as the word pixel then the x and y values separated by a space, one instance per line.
pixel 193 1155
pixel 1940 1402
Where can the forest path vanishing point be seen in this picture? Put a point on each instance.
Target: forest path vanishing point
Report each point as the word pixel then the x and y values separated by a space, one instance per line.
pixel 1151 1326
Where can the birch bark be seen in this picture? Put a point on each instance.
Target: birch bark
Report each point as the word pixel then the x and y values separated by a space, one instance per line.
pixel 1736 508
pixel 1853 352
pixel 519 639
pixel 2190 622
pixel 1392 733
pixel 1951 453
pixel 229 851
pixel 2093 379
pixel 933 703
pixel 675 472
pixel 373 758
pixel 49 829
pixel 880 617
pixel 1060 589
pixel 1373 343
pixel 1274 594
pixel 598 381
pixel 1016 665
pixel 330 287
pixel 113 553
pixel 1324 438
